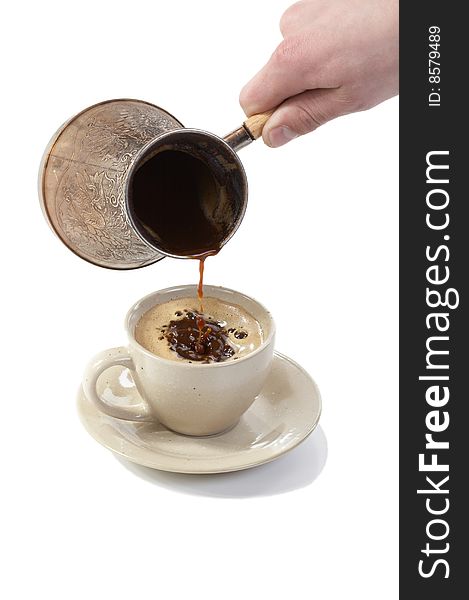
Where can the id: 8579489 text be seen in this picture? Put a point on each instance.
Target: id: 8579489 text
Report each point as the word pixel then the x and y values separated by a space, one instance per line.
pixel 434 66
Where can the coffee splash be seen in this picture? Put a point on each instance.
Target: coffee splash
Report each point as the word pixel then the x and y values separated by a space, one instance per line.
pixel 199 338
pixel 167 327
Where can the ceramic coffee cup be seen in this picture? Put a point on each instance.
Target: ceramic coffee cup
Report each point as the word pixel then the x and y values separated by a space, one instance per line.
pixel 190 398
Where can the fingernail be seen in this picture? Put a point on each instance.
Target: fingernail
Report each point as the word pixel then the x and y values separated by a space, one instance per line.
pixel 279 136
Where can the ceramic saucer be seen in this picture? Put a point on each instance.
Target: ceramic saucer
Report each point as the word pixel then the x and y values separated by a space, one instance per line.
pixel 282 416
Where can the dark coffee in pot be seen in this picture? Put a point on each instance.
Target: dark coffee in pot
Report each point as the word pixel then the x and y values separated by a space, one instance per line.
pixel 177 201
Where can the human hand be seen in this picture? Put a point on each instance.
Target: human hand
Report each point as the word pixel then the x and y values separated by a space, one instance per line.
pixel 337 57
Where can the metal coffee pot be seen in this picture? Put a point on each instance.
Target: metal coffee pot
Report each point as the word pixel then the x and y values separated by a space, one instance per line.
pixel 86 174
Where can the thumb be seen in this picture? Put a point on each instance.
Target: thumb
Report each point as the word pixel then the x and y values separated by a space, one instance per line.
pixel 302 114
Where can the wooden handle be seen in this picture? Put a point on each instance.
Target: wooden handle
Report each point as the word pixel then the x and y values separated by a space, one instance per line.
pixel 255 124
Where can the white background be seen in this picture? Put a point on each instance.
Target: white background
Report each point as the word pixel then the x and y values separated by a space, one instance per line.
pixel 319 240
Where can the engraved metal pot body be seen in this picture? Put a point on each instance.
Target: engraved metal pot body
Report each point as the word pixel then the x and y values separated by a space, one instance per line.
pixel 86 169
pixel 83 176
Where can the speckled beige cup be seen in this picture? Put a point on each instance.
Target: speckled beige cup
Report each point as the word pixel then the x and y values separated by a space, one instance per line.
pixel 189 398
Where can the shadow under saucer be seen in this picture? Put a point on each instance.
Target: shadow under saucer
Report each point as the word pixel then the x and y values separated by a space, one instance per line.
pixel 294 470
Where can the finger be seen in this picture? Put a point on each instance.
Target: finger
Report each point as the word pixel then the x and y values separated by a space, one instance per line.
pixel 293 68
pixel 295 18
pixel 302 114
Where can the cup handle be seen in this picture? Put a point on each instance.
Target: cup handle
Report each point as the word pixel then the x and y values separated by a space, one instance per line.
pixel 100 363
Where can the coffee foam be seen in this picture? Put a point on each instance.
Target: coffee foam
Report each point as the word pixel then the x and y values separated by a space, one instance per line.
pixel 149 332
